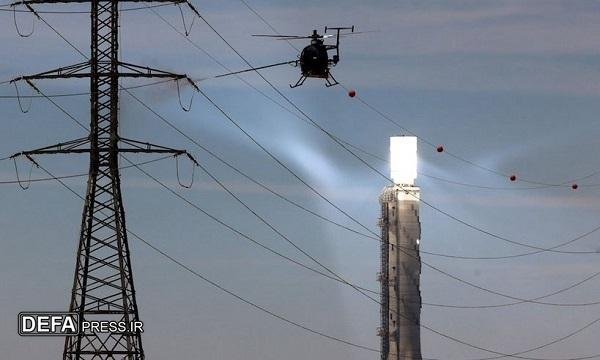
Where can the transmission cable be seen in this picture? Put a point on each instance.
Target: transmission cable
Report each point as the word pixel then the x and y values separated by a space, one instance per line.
pixel 373 236
pixel 78 93
pixel 180 264
pixel 360 289
pixel 350 217
pixel 285 108
pixel 220 287
pixel 443 334
pixel 457 157
pixel 212 217
pixel 440 333
pixel 75 12
pixel 278 232
pixel 426 327
pixel 265 149
pixel 332 137
pixel 3 182
pixel 186 37
pixel 303 327
pixel 542 184
pixel 382 114
pixel 277 160
pixel 231 119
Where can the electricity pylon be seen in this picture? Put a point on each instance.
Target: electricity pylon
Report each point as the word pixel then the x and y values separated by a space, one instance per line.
pixel 103 286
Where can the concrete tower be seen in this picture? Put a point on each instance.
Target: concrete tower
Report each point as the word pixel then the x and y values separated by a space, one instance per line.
pixel 400 260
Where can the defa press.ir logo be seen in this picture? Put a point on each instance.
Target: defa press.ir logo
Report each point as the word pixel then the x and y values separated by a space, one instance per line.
pixel 69 324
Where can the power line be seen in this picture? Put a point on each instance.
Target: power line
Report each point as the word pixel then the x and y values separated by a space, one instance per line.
pixel 377 238
pixel 222 288
pixel 428 328
pixel 373 235
pixel 74 12
pixel 103 263
pixel 477 186
pixel 212 217
pixel 271 155
pixel 458 340
pixel 230 227
pixel 283 165
pixel 332 137
pixel 186 37
pixel 173 192
pixel 278 232
pixel 359 289
pixel 489 351
pixel 552 249
pixel 77 175
pixel 256 13
pixel 78 93
pixel 318 332
pixel 572 286
pixel 499 257
pixel 380 113
pixel 317 215
pixel 431 266
pixel 457 157
pixel 435 331
pixel 70 116
pixel 131 286
pixel 267 23
pixel 303 327
pixel 337 277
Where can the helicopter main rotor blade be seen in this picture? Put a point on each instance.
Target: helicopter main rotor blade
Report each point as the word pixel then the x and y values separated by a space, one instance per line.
pixel 257 68
pixel 277 36
pixel 293 37
pixel 327 36
pixel 299 37
pixel 360 32
pixel 305 37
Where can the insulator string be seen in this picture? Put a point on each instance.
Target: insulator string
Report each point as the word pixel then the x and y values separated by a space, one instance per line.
pixel 28 107
pixel 179 179
pixel 19 181
pixel 21 34
pixel 189 107
pixel 185 28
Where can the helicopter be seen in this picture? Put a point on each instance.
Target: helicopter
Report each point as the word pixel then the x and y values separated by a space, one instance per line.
pixel 314 60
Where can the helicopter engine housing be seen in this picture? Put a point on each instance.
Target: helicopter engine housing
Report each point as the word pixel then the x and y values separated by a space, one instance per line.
pixel 314 61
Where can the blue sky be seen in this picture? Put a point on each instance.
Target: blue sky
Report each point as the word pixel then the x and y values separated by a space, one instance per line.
pixel 510 85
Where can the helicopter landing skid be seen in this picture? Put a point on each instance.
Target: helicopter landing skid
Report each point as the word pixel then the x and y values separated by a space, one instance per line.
pixel 329 82
pixel 299 82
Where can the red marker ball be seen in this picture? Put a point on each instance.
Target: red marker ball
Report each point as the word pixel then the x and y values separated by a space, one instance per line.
pixel 513 178
pixel 352 93
pixel 440 149
pixel 574 186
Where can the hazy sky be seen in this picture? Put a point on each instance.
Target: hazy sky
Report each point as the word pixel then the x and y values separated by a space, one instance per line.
pixel 510 85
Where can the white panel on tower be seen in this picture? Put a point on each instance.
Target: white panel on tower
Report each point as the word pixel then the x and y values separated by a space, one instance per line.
pixel 403 159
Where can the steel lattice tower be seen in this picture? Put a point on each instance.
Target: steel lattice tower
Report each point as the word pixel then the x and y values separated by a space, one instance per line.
pixel 103 287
